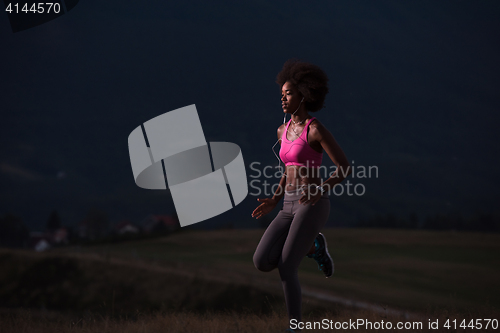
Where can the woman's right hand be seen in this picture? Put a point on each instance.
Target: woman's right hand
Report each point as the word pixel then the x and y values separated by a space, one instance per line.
pixel 266 206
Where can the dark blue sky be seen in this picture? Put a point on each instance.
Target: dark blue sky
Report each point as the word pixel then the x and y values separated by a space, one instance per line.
pixel 413 89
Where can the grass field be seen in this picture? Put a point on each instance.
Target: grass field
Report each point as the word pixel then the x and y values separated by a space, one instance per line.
pixel 202 277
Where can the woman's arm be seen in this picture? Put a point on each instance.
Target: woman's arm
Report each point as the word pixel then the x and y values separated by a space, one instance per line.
pixel 337 156
pixel 280 191
pixel 320 134
pixel 268 204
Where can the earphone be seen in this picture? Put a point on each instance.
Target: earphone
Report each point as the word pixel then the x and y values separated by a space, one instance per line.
pixel 284 117
pixel 277 141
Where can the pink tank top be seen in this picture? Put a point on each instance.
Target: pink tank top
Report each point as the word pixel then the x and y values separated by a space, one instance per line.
pixel 298 152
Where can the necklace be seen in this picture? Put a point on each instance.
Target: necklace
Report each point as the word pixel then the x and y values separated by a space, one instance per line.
pixel 297 123
pixel 297 135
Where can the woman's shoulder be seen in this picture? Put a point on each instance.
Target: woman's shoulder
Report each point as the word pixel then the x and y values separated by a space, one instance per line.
pixel 316 124
pixel 281 129
pixel 317 129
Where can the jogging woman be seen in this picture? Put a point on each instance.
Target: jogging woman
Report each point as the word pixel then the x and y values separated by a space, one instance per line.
pixel 295 232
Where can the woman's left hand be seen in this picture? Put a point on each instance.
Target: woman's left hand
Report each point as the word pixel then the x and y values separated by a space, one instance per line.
pixel 311 195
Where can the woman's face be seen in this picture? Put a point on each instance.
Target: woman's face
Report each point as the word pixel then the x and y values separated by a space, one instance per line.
pixel 290 98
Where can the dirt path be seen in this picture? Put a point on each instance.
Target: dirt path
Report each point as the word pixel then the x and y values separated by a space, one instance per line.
pixel 265 282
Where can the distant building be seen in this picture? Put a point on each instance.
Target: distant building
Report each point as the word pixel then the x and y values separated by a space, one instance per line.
pixel 60 236
pixel 126 227
pixel 39 241
pixel 158 223
pixel 42 245
pixel 95 225
pixel 44 240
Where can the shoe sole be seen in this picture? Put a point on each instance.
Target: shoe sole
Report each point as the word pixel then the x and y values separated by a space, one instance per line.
pixel 327 253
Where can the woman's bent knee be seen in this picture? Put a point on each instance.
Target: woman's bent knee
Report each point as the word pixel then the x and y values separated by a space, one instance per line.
pixel 262 264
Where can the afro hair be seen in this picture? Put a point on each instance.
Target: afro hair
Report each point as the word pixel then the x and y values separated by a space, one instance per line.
pixel 310 80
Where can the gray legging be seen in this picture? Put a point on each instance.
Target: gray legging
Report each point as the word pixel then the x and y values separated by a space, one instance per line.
pixel 287 240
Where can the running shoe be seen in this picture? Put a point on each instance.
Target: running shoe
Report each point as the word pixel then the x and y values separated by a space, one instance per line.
pixel 321 255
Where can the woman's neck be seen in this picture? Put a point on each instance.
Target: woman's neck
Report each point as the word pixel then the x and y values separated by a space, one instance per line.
pixel 300 115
